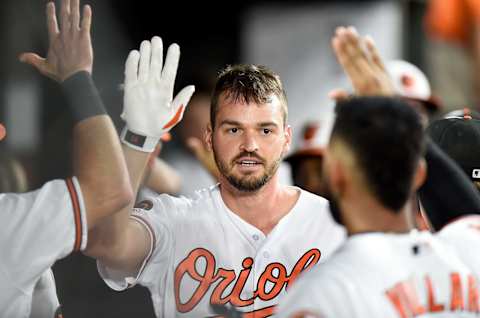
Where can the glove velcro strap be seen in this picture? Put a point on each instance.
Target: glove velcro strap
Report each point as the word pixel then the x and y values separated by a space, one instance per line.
pixel 138 142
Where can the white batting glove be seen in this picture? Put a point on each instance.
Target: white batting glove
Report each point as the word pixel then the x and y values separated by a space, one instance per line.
pixel 149 108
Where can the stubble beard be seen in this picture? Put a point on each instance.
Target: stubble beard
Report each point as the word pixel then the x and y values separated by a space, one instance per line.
pixel 246 183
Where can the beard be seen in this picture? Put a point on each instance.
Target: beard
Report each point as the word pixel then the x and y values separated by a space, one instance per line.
pixel 247 183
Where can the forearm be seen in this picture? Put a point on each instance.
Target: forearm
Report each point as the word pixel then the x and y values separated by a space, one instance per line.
pixel 109 240
pixel 447 193
pixel 98 164
pixel 162 178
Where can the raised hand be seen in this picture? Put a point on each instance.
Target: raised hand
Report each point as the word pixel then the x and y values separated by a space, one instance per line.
pixel 149 107
pixel 362 63
pixel 70 46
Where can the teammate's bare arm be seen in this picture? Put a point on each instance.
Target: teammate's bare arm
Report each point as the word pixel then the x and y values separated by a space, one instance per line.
pixel 120 242
pixel 99 164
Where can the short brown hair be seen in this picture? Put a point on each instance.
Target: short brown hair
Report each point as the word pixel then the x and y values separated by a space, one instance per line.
pixel 246 83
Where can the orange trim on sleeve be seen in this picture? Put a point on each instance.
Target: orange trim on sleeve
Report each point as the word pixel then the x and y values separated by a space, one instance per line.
pixel 76 214
pixel 153 244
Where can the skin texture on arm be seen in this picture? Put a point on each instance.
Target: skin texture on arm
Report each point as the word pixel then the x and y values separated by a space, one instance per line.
pixel 120 242
pixel 99 164
pixel 162 178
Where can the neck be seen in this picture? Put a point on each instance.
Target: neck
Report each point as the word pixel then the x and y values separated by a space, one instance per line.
pixel 368 215
pixel 262 208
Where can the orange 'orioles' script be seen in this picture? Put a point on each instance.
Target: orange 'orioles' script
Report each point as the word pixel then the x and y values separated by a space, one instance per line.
pixel 228 277
pixel 405 299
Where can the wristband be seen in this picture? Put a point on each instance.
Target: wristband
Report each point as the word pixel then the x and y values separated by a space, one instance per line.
pixel 138 142
pixel 82 95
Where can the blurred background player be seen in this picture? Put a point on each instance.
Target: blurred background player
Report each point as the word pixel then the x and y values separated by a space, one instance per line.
pixel 453 55
pixel 306 160
pixel 456 217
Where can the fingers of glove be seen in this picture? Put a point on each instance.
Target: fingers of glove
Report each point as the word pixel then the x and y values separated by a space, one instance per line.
pixel 144 66
pixel 179 105
pixel 157 58
pixel 170 68
pixel 131 67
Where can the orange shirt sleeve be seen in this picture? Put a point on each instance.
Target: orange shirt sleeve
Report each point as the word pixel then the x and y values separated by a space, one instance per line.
pixel 448 19
pixel 473 7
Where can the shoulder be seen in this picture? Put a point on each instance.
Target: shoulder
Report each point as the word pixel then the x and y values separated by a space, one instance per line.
pixel 172 206
pixel 315 291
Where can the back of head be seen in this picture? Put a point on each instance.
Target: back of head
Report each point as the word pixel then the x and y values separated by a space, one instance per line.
pixel 386 138
pixel 459 137
pixel 247 83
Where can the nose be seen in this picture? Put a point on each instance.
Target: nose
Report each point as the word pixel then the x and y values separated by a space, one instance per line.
pixel 249 142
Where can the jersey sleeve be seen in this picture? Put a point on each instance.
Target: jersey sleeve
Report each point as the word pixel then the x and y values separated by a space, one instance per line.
pixel 44 298
pixel 41 227
pixel 158 217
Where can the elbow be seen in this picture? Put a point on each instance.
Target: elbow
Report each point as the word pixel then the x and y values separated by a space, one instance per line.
pixel 108 199
pixel 123 196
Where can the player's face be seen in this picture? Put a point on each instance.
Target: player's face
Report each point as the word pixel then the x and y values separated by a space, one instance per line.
pixel 249 141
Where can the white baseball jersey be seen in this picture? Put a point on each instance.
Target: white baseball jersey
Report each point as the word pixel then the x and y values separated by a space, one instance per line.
pixel 379 275
pixel 38 228
pixel 464 236
pixel 44 298
pixel 204 253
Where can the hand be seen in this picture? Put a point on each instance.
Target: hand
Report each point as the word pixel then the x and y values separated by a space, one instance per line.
pixel 70 48
pixel 203 155
pixel 363 66
pixel 148 106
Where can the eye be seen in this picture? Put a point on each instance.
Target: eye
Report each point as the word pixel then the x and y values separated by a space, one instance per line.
pixel 233 130
pixel 266 131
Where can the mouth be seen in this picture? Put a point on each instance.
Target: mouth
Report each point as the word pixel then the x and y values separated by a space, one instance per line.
pixel 248 162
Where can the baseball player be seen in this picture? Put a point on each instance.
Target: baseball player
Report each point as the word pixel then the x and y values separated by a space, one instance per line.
pixel 455 215
pixel 240 243
pixel 385 269
pixel 48 224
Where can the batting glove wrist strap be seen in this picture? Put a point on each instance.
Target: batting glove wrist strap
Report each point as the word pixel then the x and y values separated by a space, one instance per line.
pixel 137 141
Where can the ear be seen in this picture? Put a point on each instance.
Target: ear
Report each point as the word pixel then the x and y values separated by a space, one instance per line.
pixel 288 138
pixel 334 172
pixel 420 174
pixel 207 136
pixel 338 181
